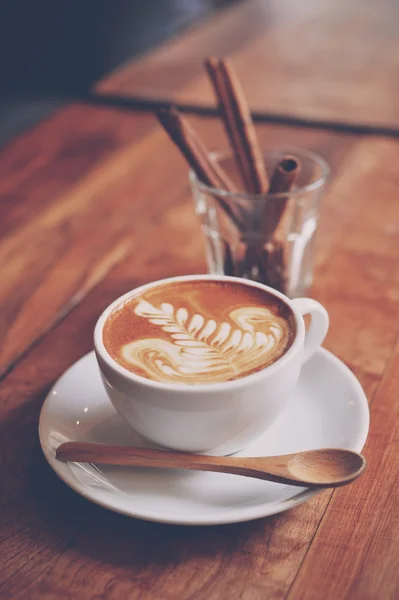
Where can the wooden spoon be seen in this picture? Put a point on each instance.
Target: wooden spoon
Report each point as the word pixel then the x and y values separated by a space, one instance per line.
pixel 328 467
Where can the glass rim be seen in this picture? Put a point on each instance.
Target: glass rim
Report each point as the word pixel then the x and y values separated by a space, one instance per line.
pixel 295 152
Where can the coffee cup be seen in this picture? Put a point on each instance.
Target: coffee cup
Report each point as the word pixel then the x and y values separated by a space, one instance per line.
pixel 228 402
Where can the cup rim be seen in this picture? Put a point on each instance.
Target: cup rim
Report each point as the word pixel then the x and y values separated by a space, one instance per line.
pixel 234 384
pixel 311 187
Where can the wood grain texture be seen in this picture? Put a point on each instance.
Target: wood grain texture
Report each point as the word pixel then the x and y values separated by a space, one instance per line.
pixel 77 235
pixel 358 537
pixel 79 550
pixel 324 60
pixel 68 240
pixel 96 202
pixel 41 165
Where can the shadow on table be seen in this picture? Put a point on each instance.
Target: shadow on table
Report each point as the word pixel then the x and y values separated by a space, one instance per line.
pixel 42 513
pixel 120 540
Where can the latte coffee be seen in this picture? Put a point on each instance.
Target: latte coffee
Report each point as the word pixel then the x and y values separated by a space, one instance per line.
pixel 199 331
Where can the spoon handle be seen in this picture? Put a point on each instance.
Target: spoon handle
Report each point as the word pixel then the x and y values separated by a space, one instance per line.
pixel 109 454
pixel 274 468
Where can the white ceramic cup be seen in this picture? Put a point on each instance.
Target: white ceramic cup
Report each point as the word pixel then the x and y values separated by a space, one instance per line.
pixel 219 418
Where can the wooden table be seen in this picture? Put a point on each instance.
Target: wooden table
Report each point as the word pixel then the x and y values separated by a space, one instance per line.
pixel 96 201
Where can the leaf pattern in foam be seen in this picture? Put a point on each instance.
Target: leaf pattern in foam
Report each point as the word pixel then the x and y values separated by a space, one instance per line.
pixel 202 350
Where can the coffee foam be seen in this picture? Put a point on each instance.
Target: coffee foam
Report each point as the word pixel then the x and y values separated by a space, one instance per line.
pixel 201 331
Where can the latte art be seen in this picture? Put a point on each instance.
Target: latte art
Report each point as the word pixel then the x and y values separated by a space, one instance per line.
pixel 202 348
pixel 187 342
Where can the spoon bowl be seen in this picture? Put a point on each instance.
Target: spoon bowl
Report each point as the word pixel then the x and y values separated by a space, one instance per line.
pixel 327 466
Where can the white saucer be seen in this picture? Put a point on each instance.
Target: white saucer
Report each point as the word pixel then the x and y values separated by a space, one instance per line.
pixel 329 409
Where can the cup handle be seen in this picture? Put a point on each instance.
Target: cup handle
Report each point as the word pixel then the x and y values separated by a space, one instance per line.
pixel 318 326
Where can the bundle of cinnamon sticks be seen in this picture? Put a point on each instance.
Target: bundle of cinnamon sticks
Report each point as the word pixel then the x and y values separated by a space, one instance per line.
pixel 264 256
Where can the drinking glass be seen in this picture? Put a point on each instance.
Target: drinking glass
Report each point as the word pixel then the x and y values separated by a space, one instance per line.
pixel 269 237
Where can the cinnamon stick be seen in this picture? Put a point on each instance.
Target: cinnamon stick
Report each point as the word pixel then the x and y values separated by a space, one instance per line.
pixel 273 257
pixel 238 124
pixel 284 175
pixel 263 262
pixel 281 181
pixel 193 149
pixel 269 259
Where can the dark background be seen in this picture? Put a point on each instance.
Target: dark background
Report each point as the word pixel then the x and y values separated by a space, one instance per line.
pixel 52 51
